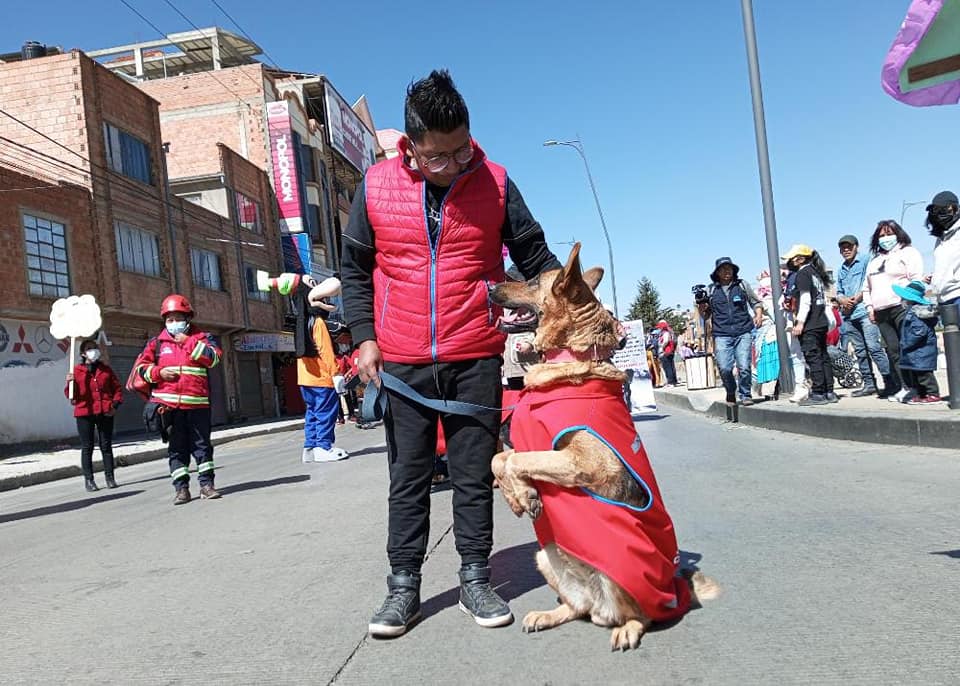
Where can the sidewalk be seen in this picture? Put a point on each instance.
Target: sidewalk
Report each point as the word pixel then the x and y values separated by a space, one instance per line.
pixel 868 419
pixel 40 467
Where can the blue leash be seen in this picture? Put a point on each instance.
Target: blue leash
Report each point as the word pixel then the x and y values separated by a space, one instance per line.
pixel 375 400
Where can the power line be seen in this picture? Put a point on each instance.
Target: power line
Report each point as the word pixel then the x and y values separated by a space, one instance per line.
pixel 118 179
pixel 245 34
pixel 189 21
pixel 163 34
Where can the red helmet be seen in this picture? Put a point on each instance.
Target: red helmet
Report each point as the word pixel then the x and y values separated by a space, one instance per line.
pixel 176 303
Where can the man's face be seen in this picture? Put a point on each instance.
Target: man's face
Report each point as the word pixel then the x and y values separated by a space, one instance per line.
pixel 436 147
pixel 848 251
pixel 725 274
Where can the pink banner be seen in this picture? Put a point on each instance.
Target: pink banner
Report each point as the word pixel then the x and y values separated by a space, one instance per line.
pixel 285 182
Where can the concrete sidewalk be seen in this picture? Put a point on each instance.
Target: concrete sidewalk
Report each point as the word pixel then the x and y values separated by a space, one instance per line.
pixel 43 466
pixel 868 419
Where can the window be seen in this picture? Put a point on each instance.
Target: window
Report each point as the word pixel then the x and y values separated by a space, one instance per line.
pixel 137 251
pixel 248 213
pixel 253 292
pixel 195 198
pixel 206 268
pixel 47 270
pixel 127 154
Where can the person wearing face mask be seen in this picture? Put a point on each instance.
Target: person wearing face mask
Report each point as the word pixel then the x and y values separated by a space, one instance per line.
pixel 176 364
pixel 97 393
pixel 943 221
pixel 895 263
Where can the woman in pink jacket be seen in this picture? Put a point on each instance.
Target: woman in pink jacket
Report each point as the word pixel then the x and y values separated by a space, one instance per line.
pixel 895 262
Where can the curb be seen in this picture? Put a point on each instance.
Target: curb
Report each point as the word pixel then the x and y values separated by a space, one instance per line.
pixel 11 483
pixel 864 428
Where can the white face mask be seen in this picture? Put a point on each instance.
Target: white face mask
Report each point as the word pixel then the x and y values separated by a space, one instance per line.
pixel 174 328
pixel 888 242
pixel 93 354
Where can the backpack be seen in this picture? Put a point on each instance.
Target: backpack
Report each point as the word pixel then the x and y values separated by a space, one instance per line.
pixel 136 383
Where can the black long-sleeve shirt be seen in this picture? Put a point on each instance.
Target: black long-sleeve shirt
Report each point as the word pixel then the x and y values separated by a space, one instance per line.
pixel 521 233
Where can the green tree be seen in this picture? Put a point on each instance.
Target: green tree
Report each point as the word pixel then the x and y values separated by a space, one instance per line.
pixel 646 306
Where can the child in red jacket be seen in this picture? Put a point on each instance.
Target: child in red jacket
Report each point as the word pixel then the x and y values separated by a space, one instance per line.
pixel 176 363
pixel 97 394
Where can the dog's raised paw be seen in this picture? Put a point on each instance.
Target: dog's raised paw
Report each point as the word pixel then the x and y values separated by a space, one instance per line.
pixel 534 506
pixel 626 636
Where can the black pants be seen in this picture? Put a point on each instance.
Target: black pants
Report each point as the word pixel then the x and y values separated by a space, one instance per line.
pixel 104 426
pixel 923 383
pixel 669 369
pixel 189 435
pixel 813 343
pixel 888 321
pixel 411 447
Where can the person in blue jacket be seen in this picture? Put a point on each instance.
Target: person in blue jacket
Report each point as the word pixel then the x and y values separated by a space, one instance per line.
pixel 918 344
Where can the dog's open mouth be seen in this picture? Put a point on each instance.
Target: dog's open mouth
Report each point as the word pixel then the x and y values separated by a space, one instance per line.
pixel 518 320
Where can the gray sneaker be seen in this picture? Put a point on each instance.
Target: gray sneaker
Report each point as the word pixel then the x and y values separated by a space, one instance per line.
pixel 479 600
pixel 400 609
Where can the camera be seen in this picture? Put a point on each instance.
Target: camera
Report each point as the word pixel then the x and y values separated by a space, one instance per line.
pixel 700 293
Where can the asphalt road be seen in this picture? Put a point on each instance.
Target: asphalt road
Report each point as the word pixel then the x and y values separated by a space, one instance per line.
pixel 840 563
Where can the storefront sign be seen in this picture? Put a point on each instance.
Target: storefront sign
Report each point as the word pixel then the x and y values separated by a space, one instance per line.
pixel 286 183
pixel 263 343
pixel 348 135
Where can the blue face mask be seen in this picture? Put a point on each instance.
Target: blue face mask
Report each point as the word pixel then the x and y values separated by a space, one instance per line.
pixel 174 328
pixel 888 242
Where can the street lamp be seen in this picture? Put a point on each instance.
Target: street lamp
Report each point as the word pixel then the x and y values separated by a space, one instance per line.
pixel 578 146
pixel 905 205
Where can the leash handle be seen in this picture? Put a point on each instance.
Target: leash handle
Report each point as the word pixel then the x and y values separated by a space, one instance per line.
pixel 375 400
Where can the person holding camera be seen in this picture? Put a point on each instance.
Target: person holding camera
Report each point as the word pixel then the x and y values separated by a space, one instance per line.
pixel 734 310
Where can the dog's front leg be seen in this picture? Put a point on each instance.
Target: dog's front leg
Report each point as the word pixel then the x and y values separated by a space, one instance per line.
pixel 520 493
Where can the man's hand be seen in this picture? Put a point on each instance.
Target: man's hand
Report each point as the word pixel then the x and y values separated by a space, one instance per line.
pixel 872 316
pixel 797 329
pixel 370 362
pixel 69 377
pixel 180 337
pixel 758 318
pixel 169 374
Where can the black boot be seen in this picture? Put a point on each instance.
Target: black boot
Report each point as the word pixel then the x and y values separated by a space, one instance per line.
pixel 400 608
pixel 479 600
pixel 890 387
pixel 110 482
pixel 90 484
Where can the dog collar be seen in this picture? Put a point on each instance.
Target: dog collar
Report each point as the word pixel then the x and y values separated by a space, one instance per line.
pixel 592 354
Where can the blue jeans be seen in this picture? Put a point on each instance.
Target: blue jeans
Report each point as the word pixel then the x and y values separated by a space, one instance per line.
pixel 865 336
pixel 734 349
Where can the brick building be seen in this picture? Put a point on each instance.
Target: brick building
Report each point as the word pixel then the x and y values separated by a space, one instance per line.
pixel 111 228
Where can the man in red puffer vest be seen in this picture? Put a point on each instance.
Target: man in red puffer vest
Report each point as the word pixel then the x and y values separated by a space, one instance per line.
pixel 420 251
pixel 176 362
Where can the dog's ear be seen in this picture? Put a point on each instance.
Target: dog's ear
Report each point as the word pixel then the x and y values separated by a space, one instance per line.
pixel 570 282
pixel 592 276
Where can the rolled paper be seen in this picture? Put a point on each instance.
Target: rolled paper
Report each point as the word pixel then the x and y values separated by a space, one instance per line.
pixel 284 284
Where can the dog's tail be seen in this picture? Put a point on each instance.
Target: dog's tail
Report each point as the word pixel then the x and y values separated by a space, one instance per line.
pixel 703 587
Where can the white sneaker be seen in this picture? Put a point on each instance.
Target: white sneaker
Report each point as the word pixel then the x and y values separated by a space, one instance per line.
pixel 899 396
pixel 799 394
pixel 331 455
pixel 307 455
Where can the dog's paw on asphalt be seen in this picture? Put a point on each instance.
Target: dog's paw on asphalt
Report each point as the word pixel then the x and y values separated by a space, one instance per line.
pixel 537 621
pixel 626 636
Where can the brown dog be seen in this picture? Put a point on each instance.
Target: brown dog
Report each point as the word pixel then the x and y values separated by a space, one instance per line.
pixel 580 472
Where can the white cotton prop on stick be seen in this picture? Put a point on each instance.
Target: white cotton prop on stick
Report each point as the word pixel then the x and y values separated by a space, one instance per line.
pixel 77 316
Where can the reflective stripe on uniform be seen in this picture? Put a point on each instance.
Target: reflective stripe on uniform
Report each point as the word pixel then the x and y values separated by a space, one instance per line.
pixel 205 467
pixel 179 473
pixel 193 371
pixel 182 399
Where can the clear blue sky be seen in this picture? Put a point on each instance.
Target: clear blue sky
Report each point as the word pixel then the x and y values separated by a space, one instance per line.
pixel 658 92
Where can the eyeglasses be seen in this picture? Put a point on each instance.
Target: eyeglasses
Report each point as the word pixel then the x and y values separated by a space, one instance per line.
pixel 437 163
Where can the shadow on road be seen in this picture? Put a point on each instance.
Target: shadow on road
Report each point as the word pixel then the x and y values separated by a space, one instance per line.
pixel 368 451
pixel 514 573
pixel 948 553
pixel 648 417
pixel 251 485
pixel 65 507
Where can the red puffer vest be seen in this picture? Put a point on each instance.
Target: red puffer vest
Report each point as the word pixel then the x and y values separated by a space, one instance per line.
pixel 95 392
pixel 637 548
pixel 430 301
pixel 191 359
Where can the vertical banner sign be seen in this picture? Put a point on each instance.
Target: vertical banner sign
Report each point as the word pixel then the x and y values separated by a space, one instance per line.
pixel 632 359
pixel 285 182
pixel 348 135
pixel 296 253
